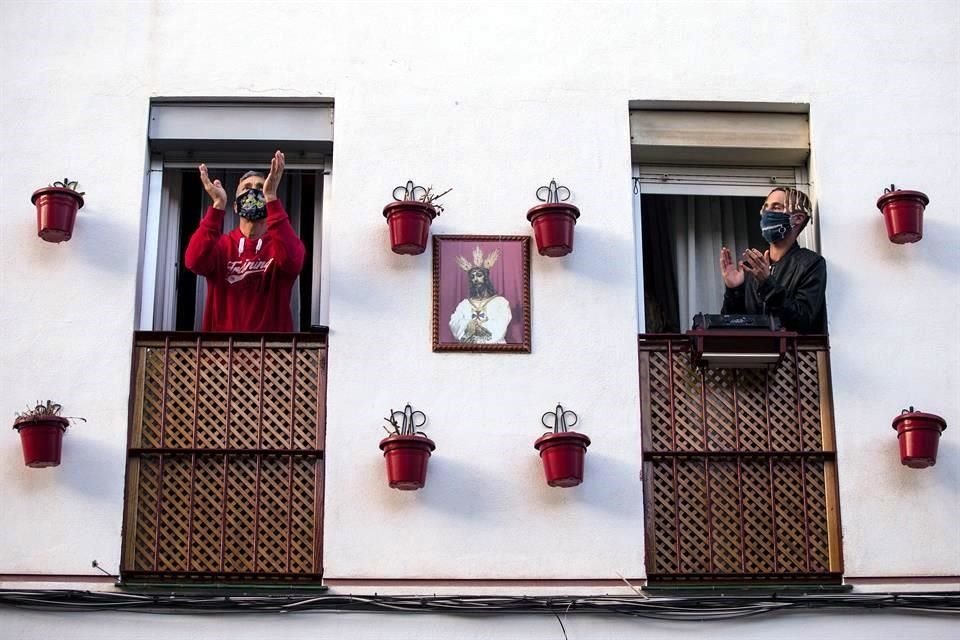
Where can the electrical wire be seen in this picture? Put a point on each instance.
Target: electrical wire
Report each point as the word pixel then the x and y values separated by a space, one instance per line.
pixel 687 608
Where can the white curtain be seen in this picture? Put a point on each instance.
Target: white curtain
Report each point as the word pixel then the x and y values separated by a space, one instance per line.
pixel 702 225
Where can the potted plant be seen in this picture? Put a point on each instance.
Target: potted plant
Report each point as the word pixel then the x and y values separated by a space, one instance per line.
pixel 406 450
pixel 410 216
pixel 57 207
pixel 903 214
pixel 562 451
pixel 553 221
pixel 919 435
pixel 41 431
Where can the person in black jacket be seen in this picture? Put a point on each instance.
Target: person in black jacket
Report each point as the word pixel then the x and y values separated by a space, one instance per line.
pixel 785 281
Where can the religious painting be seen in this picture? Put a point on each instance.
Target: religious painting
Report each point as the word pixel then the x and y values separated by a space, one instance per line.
pixel 481 293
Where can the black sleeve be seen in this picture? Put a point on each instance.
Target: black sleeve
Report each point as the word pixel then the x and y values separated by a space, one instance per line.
pixel 799 311
pixel 735 300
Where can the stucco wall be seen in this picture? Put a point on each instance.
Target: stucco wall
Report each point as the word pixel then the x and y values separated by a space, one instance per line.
pixel 22 625
pixel 492 100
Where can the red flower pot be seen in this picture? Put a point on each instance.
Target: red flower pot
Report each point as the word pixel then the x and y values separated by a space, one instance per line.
pixel 903 214
pixel 41 439
pixel 409 222
pixel 562 455
pixel 553 224
pixel 407 458
pixel 56 212
pixel 919 435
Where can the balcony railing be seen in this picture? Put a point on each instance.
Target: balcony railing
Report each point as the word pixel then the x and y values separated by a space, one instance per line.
pixel 740 478
pixel 225 457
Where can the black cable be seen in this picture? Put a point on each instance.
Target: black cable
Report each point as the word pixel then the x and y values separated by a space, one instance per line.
pixel 691 608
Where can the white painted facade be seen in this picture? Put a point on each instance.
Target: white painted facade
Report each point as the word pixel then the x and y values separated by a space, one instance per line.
pixel 492 100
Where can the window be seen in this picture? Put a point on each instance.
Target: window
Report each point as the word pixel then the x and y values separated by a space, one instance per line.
pixel 225 454
pixel 685 214
pixel 739 465
pixel 230 138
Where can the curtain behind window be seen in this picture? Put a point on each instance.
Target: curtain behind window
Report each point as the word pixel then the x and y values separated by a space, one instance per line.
pixel 682 238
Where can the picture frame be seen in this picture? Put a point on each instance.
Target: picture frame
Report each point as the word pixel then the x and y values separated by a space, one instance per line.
pixel 481 293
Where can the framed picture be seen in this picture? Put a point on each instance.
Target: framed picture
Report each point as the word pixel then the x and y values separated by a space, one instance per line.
pixel 481 293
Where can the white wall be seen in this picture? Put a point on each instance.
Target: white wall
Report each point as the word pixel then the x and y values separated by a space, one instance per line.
pixel 493 100
pixel 854 625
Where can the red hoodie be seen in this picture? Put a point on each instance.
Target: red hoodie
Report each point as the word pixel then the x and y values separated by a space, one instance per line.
pixel 248 280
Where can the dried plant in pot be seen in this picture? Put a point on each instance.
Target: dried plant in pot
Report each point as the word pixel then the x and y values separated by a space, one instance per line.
pixel 57 207
pixel 410 216
pixel 562 451
pixel 406 450
pixel 41 430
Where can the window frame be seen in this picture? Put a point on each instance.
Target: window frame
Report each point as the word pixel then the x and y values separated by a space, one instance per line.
pixel 159 273
pixel 225 133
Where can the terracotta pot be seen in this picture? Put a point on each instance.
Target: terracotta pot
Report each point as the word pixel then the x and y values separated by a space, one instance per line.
pixel 41 439
pixel 903 214
pixel 562 456
pixel 919 436
pixel 409 222
pixel 407 458
pixel 56 212
pixel 553 224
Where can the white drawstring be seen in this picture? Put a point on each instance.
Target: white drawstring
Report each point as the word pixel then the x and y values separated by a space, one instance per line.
pixel 243 241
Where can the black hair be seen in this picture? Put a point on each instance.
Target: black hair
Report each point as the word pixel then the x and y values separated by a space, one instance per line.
pixel 484 290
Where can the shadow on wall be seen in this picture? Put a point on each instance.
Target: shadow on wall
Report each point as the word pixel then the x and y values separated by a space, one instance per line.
pixel 462 490
pixel 97 240
pixel 85 467
pixel 595 250
pixel 92 469
pixel 609 485
pixel 939 248
pixel 946 473
pixel 103 243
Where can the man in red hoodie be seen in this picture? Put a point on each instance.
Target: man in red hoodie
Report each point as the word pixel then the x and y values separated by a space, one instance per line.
pixel 251 270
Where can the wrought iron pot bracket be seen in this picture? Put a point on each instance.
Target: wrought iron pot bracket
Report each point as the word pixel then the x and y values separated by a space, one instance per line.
pixel 406 422
pixel 559 420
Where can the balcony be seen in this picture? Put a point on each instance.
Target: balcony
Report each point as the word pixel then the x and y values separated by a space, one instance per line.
pixel 739 467
pixel 225 457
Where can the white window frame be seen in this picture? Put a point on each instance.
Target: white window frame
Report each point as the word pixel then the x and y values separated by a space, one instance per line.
pixel 178 125
pixel 694 180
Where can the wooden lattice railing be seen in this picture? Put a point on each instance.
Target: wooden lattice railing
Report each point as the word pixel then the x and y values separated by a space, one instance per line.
pixel 225 457
pixel 740 478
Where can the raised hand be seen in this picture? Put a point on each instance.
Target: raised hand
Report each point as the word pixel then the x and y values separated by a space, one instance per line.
pixel 277 164
pixel 757 264
pixel 214 189
pixel 731 272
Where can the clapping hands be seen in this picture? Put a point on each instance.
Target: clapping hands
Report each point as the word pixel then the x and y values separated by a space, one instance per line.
pixel 755 263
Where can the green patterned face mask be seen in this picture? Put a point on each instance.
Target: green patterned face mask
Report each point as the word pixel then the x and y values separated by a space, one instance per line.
pixel 252 205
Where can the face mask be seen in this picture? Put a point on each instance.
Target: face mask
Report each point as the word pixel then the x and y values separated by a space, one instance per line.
pixel 252 205
pixel 774 225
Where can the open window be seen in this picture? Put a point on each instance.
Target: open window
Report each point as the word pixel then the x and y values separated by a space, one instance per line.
pixel 225 450
pixel 739 465
pixel 685 215
pixel 230 139
pixel 699 179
